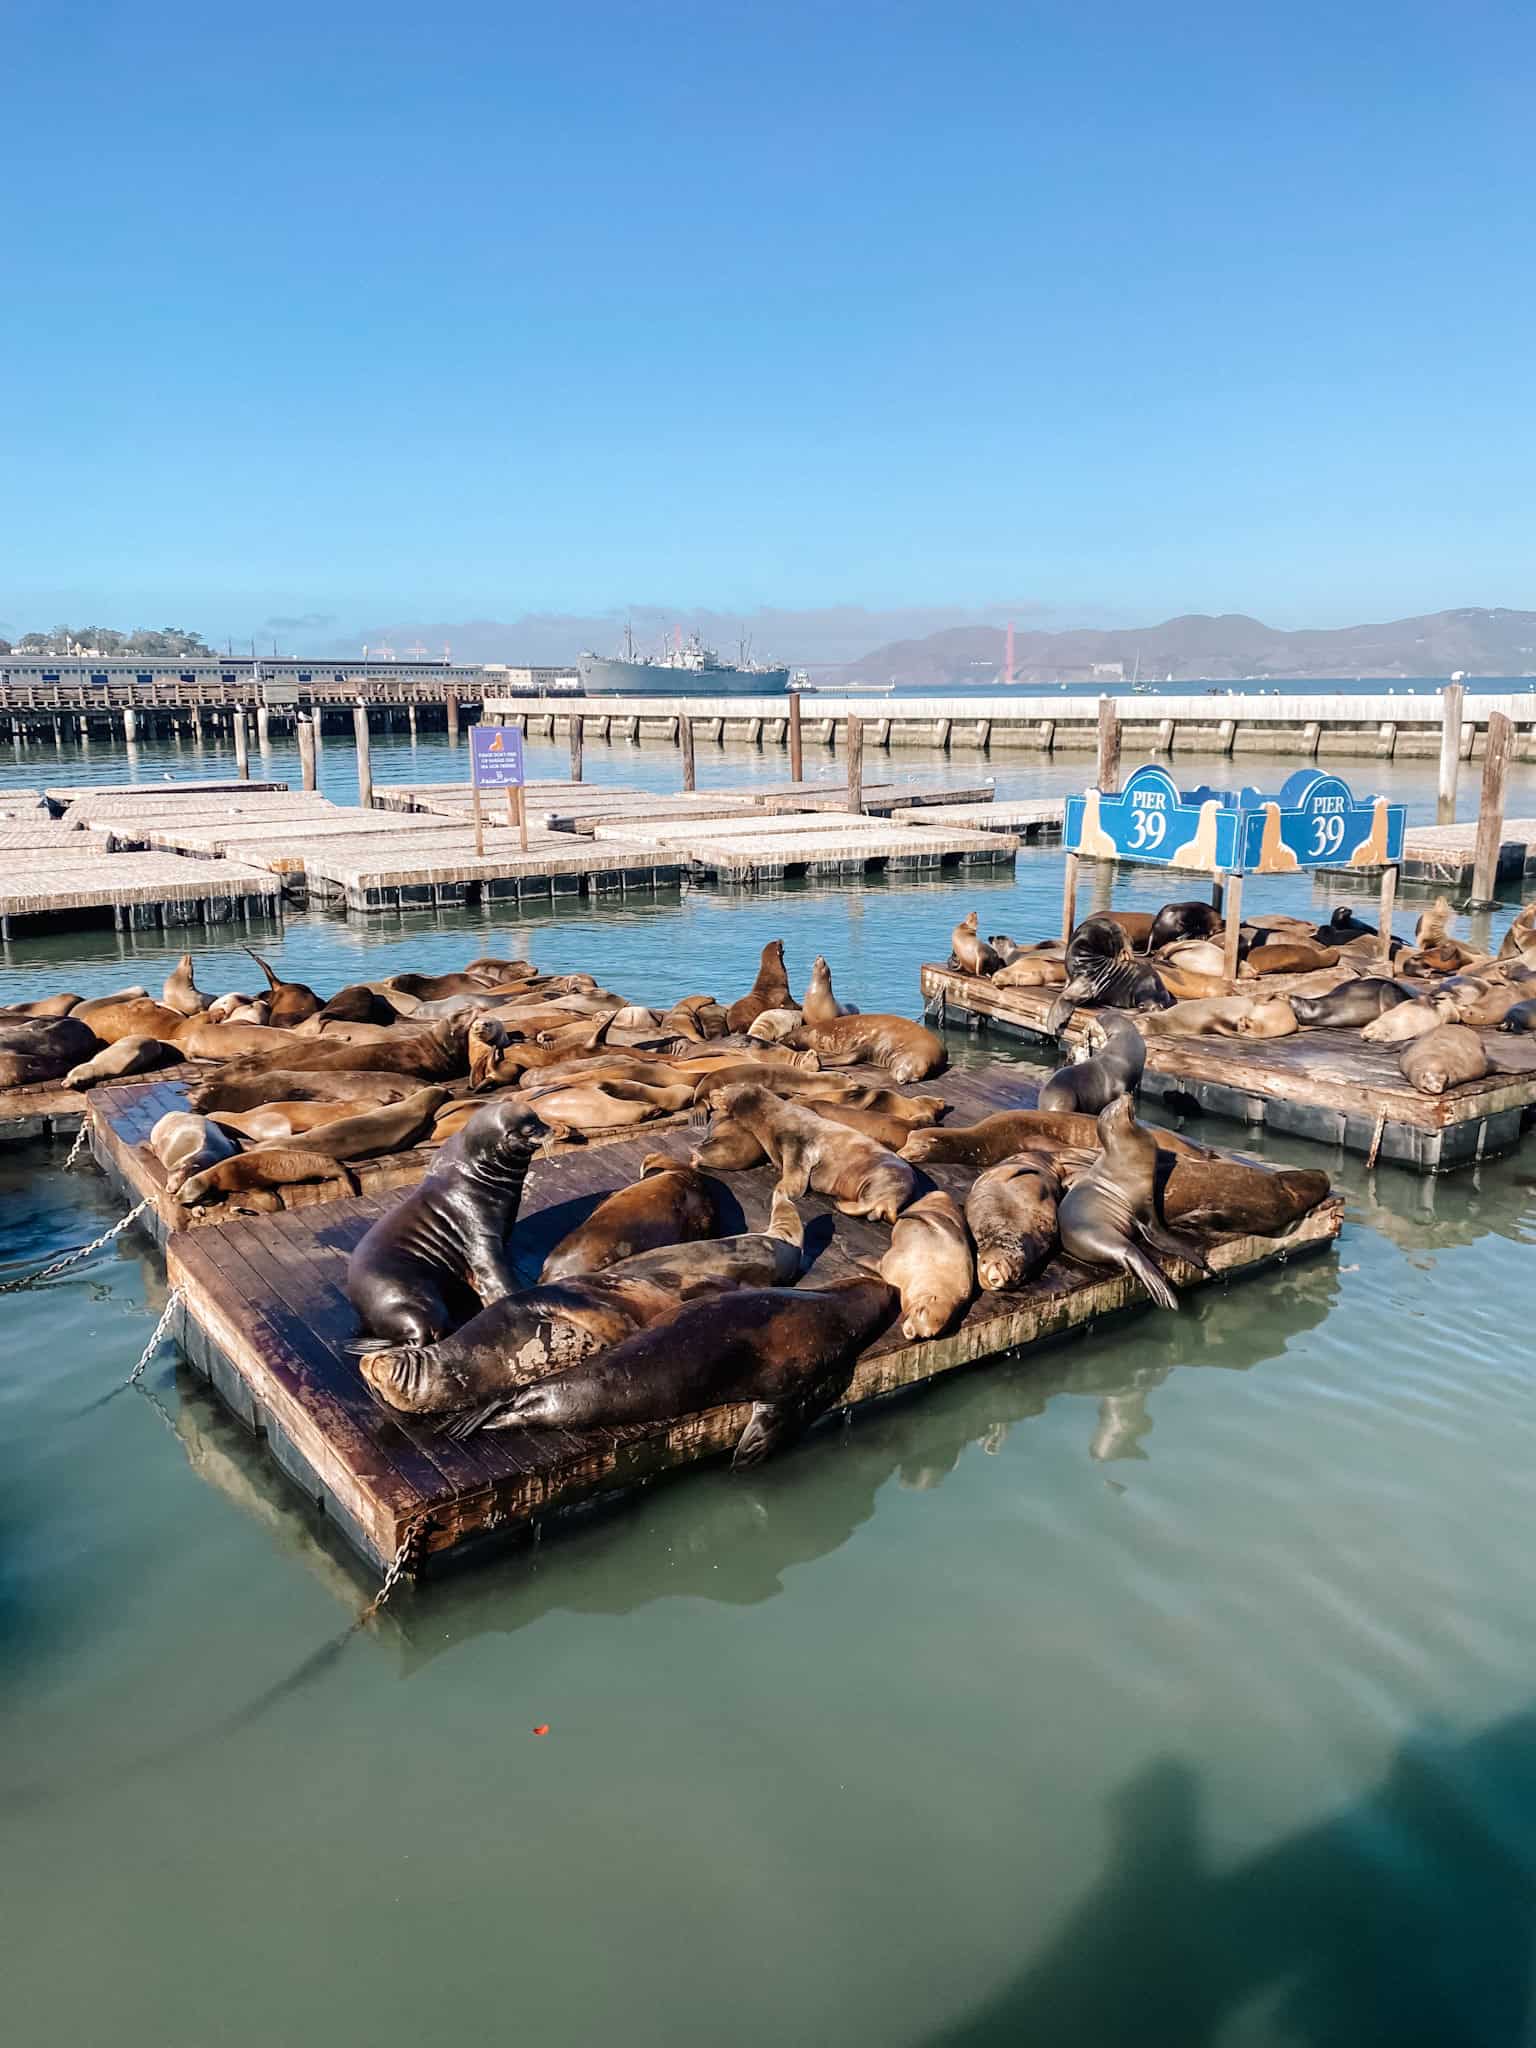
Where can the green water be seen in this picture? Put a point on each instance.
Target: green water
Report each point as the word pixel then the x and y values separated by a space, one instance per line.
pixel 1172 1687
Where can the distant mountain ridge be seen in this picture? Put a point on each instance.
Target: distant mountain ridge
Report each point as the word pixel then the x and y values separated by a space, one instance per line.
pixel 1200 648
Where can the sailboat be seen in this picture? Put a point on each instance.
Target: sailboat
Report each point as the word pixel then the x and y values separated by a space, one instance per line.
pixel 1138 687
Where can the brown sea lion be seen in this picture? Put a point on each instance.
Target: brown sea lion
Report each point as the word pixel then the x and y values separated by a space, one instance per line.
pixel 181 992
pixel 186 1144
pixel 1115 1068
pixel 907 1051
pixel 820 1005
pixel 449 1233
pixel 201 1040
pixel 1194 956
pixel 669 1204
pixel 290 1002
pixel 730 1146
pixel 44 1048
pixel 122 1057
pixel 789 1351
pixel 969 952
pixel 278 1084
pixel 1137 925
pixel 1289 957
pixel 391 1127
pixel 438 1053
pixel 432 988
pixel 1521 936
pixel 698 1017
pixel 1445 1058
pixel 1011 1210
pixel 129 1017
pixel 44 1006
pixel 773 1027
pixel 1009 1131
pixel 279 1120
pixel 811 1152
pixel 534 1331
pixel 1032 970
pixel 1236 1016
pixel 1230 1195
pixel 770 991
pixel 930 1265
pixel 1407 1021
pixel 1484 1004
pixel 575 1107
pixel 493 973
pixel 1110 1216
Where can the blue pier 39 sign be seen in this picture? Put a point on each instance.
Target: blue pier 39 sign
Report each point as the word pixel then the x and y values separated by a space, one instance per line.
pixel 496 756
pixel 1314 821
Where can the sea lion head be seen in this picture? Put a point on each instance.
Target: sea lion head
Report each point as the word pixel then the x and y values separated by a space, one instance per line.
pixel 885 1191
pixel 968 922
pixel 498 1141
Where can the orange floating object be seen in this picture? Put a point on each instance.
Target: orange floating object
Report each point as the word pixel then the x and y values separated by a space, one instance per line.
pixel 542 1729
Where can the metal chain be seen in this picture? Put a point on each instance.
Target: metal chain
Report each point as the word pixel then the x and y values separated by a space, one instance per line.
pixel 78 1147
pixel 173 1302
pixel 401 1565
pixel 73 1258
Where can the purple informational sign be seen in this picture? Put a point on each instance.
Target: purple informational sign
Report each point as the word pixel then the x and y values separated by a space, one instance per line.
pixel 496 756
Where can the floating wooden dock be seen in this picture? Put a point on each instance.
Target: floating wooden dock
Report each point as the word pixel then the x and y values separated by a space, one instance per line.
pixel 369 878
pixel 1331 1086
pixel 264 1317
pixel 1032 819
pixel 89 793
pixel 832 846
pixel 138 891
pixel 1441 856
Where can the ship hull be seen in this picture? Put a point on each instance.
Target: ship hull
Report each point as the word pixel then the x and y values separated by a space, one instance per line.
pixel 600 678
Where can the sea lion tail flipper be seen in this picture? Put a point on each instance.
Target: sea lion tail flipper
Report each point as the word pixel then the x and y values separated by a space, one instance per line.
pixel 773 1424
pixel 465 1422
pixel 272 980
pixel 784 1220
pixel 1150 1276
pixel 1176 1244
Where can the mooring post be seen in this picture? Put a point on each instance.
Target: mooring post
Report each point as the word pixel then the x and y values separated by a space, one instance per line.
pixel 1234 926
pixel 685 741
pixel 517 814
pixel 130 724
pixel 1069 898
pixel 1490 810
pixel 364 755
pixel 855 729
pixel 263 727
pixel 1388 899
pixel 796 755
pixel 451 706
pixel 306 730
pixel 1109 745
pixel 1451 698
pixel 242 746
pixel 576 725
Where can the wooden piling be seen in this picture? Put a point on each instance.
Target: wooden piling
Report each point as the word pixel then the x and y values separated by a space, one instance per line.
pixel 364 756
pixel 242 746
pixel 1451 700
pixel 1109 745
pixel 306 731
pixel 1490 811
pixel 855 728
pixel 451 705
pixel 263 727
pixel 685 741
pixel 576 725
pixel 796 750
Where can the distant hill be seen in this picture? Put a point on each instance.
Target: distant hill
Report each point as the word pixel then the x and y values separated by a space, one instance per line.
pixel 1196 648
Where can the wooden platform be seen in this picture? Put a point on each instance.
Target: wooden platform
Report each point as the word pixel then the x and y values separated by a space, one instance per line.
pixel 265 1317
pixel 1442 855
pixel 830 845
pixel 1033 819
pixel 136 890
pixel 374 878
pixel 1330 1086
pixel 46 1109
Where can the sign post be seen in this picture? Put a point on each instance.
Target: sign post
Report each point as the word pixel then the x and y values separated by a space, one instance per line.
pixel 496 762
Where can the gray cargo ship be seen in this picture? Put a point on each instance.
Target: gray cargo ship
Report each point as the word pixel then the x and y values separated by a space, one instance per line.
pixel 682 671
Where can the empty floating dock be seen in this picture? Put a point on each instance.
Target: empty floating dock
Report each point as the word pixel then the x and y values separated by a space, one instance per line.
pixel 137 890
pixel 1030 818
pixel 769 849
pixel 1331 1086
pixel 264 1316
pixel 1442 855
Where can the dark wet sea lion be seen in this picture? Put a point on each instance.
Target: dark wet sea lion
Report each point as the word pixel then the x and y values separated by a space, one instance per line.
pixel 1344 925
pixel 907 1051
pixel 448 1233
pixel 368 1134
pixel 999 1136
pixel 280 1084
pixel 811 1152
pixel 536 1331
pixel 44 1048
pixel 1351 1004
pixel 187 1144
pixel 1110 1217
pixel 790 1352
pixel 1231 1195
pixel 290 1001
pixel 1184 921
pixel 181 992
pixel 1102 969
pixel 1011 1210
pixel 358 1003
pixel 930 1265
pixel 1519 1017
pixel 770 991
pixel 669 1204
pixel 439 1053
pixel 1114 1069
pixel 122 1057
pixel 971 953
pixel 1445 1058
pixel 820 1005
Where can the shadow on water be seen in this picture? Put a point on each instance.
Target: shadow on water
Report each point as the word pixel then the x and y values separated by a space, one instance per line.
pixel 1405 1919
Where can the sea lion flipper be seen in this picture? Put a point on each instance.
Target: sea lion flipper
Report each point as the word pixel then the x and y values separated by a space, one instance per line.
pixel 272 980
pixel 1150 1276
pixel 773 1424
pixel 1176 1244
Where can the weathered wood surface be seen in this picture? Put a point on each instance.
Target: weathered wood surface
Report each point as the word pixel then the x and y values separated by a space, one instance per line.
pixel 1447 853
pixel 1335 1070
pixel 266 1316
pixel 41 886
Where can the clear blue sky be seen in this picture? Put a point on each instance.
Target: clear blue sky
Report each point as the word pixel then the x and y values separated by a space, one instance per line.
pixel 384 312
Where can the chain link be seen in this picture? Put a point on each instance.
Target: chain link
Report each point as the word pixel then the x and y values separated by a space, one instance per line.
pixel 402 1565
pixel 73 1258
pixel 173 1302
pixel 78 1147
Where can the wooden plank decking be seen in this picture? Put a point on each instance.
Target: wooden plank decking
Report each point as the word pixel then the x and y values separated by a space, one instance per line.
pixel 1327 1085
pixel 265 1317
pixel 1442 855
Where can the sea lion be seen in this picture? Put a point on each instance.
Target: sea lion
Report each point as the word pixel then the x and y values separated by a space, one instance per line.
pixel 820 1005
pixel 790 1352
pixel 438 1053
pixel 971 953
pixel 574 1107
pixel 448 1232
pixel 699 1017
pixel 1011 1210
pixel 773 1027
pixel 1138 926
pixel 1482 1004
pixel 1289 957
pixel 181 993
pixel 1194 956
pixel 278 1120
pixel 432 988
pixel 930 1265
pixel 811 1152
pixel 1408 1021
pixel 1236 1016
pixel 907 1051
pixel 44 1006
pixel 113 1017
pixel 122 1057
pixel 1032 970
pixel 1231 1195
pixel 770 991
pixel 1519 1017
pixel 731 1147
pixel 44 1048
pixel 1114 1069
pixel 1102 969
pixel 371 1132
pixel 1010 1131
pixel 1110 1216
pixel 290 1002
pixel 278 1084
pixel 1352 1003
pixel 535 1331
pixel 199 1039
pixel 1183 921
pixel 1344 925
pixel 1521 935
pixel 186 1144
pixel 669 1204
pixel 1444 1058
